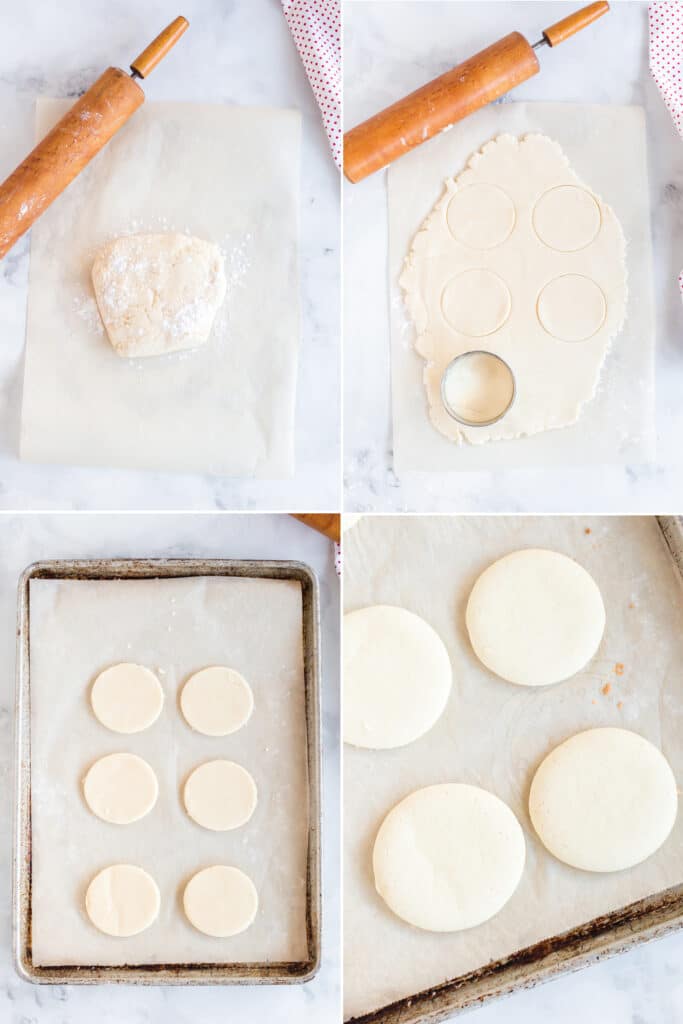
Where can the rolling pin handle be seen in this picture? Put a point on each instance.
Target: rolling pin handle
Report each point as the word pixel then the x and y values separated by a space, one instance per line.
pixel 143 65
pixel 568 27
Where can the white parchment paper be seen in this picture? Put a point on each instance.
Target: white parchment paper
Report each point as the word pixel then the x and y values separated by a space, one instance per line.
pixel 226 174
pixel 606 146
pixel 494 734
pixel 174 627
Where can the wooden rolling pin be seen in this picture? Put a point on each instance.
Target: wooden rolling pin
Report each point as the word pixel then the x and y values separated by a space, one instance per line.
pixel 452 97
pixel 327 523
pixel 76 139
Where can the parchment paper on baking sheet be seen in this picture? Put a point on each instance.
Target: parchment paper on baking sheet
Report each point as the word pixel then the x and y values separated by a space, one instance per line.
pixel 226 174
pixel 494 734
pixel 607 147
pixel 175 627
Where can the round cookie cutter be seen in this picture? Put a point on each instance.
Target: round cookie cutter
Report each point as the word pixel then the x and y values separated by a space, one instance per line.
pixel 459 363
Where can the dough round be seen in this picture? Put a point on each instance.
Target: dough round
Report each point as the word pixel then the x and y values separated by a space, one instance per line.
pixel 572 308
pixel 120 788
pixel 476 302
pixel 535 617
pixel 122 900
pixel 127 698
pixel 566 218
pixel 603 800
pixel 481 216
pixel 478 387
pixel 448 857
pixel 397 677
pixel 220 901
pixel 216 701
pixel 220 795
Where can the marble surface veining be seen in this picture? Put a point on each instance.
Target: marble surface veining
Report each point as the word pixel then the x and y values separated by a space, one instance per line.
pixel 25 538
pixel 235 51
pixel 392 48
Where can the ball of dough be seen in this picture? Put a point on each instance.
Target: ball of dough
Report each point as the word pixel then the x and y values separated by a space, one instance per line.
pixel 122 900
pixel 220 901
pixel 120 788
pixel 216 701
pixel 535 617
pixel 448 857
pixel 220 795
pixel 397 677
pixel 127 698
pixel 604 800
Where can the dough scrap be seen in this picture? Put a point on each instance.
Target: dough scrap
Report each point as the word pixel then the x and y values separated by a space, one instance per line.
pixel 220 795
pixel 122 900
pixel 158 293
pixel 535 617
pixel 127 698
pixel 448 857
pixel 397 677
pixel 604 800
pixel 216 701
pixel 120 788
pixel 220 901
pixel 516 220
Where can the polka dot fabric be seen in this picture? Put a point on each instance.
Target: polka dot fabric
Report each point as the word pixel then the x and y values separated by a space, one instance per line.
pixel 316 28
pixel 666 62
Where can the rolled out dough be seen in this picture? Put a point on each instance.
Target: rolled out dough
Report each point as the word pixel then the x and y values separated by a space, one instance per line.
pixel 535 617
pixel 521 258
pixel 120 788
pixel 397 677
pixel 604 800
pixel 127 698
pixel 220 901
pixel 220 795
pixel 122 900
pixel 448 857
pixel 216 701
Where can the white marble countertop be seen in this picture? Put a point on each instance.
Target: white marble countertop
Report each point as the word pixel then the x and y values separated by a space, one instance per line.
pixel 390 49
pixel 25 538
pixel 234 53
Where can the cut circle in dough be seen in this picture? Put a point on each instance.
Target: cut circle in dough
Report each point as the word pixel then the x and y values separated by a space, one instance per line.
pixel 220 795
pixel 120 788
pixel 448 857
pixel 397 677
pixel 220 901
pixel 476 303
pixel 604 800
pixel 216 701
pixel 535 617
pixel 481 216
pixel 478 387
pixel 122 900
pixel 127 698
pixel 571 308
pixel 567 218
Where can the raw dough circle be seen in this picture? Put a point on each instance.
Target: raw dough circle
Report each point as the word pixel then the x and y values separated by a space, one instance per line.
pixel 535 617
pixel 220 795
pixel 567 218
pixel 476 302
pixel 481 216
pixel 604 800
pixel 120 788
pixel 122 900
pixel 448 857
pixel 220 901
pixel 571 308
pixel 397 677
pixel 216 701
pixel 127 698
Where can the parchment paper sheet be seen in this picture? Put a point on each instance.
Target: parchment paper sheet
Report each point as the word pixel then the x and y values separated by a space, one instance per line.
pixel 494 734
pixel 226 174
pixel 175 627
pixel 606 146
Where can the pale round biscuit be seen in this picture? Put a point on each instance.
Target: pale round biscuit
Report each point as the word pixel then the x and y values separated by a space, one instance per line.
pixel 220 901
pixel 216 701
pixel 120 788
pixel 127 698
pixel 122 900
pixel 220 795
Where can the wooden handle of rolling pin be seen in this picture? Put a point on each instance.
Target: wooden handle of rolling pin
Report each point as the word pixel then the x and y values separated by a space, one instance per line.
pixel 327 523
pixel 159 47
pixel 574 23
pixel 427 111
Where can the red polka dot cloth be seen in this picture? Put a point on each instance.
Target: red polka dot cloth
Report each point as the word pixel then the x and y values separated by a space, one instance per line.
pixel 666 62
pixel 316 28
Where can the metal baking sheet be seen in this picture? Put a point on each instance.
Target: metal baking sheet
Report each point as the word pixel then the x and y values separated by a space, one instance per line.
pixel 494 734
pixel 250 970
